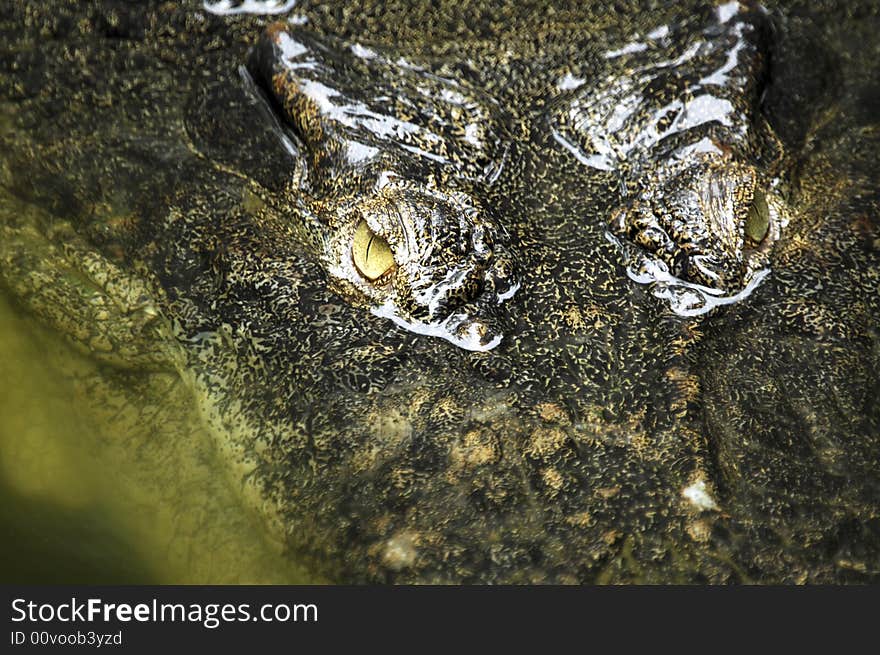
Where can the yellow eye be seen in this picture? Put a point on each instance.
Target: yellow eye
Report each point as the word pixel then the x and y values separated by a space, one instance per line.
pixel 371 254
pixel 758 220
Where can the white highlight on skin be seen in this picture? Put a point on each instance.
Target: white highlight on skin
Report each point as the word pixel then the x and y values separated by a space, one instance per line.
pixel 258 7
pixel 638 46
pixel 493 169
pixel 659 33
pixel 685 298
pixel 472 135
pixel 704 145
pixel 727 11
pixel 357 152
pixel 704 108
pixel 625 50
pixel 507 295
pixel 569 82
pixel 719 77
pixel 363 52
pixel 423 153
pixel 599 161
pixel 290 48
pixel 699 496
pixel 687 55
pixel 357 115
pixel 471 341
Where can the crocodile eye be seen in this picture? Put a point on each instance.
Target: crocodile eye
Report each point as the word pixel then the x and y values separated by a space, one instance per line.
pixel 758 220
pixel 371 253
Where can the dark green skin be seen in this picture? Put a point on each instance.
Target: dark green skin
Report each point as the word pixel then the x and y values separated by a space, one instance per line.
pixel 561 454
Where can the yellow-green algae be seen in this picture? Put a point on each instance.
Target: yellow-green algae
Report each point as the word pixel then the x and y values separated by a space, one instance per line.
pixel 128 495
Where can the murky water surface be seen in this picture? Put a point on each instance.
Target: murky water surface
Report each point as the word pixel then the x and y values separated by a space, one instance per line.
pixel 98 498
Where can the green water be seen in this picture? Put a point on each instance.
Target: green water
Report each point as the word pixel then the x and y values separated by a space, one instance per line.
pixel 91 500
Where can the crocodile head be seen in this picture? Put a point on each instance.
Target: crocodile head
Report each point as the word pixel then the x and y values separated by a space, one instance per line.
pixel 711 223
pixel 393 153
pixel 683 131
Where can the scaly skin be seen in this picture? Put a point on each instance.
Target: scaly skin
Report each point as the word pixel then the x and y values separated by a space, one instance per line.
pixel 683 131
pixel 605 438
pixel 399 149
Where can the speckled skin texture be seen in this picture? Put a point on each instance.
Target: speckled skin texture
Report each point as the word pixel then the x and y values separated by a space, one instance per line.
pixel 681 127
pixel 409 151
pixel 605 439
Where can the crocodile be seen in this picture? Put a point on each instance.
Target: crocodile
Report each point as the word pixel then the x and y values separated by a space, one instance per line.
pixel 476 292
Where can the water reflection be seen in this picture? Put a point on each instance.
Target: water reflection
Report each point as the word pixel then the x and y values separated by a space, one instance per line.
pixel 121 497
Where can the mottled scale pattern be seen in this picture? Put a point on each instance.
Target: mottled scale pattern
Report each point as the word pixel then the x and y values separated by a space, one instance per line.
pixel 352 103
pixel 683 131
pixel 397 153
pixel 611 435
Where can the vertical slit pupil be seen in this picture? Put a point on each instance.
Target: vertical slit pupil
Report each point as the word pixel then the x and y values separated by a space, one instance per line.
pixel 371 253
